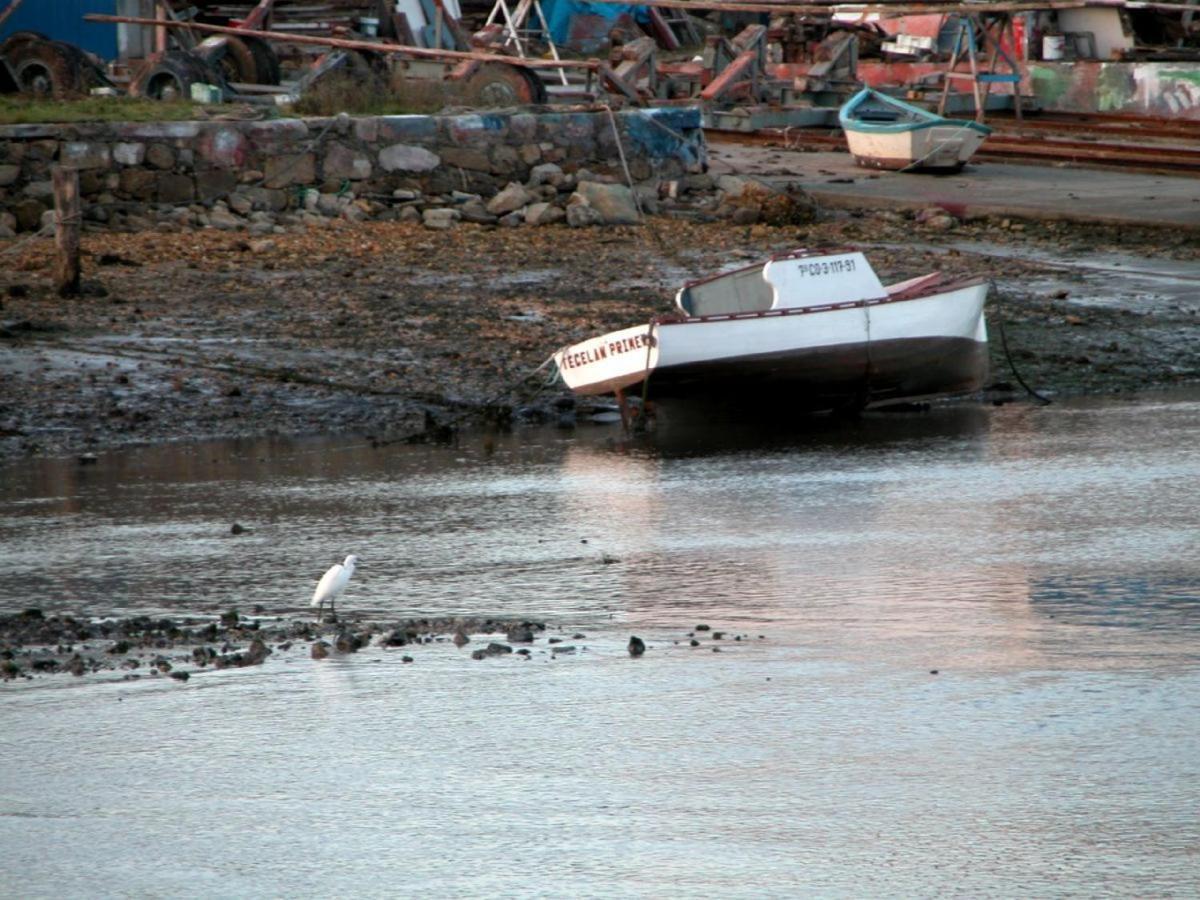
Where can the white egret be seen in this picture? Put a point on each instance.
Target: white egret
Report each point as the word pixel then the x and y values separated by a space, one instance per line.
pixel 332 584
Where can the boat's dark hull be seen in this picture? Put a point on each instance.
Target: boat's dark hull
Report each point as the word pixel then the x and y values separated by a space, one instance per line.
pixel 817 379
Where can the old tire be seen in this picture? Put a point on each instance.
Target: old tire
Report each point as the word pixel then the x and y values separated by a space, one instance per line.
pixel 50 68
pixel 171 77
pixel 501 85
pixel 10 47
pixel 266 60
pixel 236 62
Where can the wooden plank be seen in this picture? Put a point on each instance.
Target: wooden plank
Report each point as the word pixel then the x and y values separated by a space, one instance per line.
pixel 369 46
pixel 68 215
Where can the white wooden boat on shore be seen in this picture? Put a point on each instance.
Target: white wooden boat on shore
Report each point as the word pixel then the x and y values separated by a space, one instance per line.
pixel 885 133
pixel 816 331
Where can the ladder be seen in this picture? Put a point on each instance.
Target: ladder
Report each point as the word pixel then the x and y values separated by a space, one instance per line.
pixel 986 32
pixel 517 30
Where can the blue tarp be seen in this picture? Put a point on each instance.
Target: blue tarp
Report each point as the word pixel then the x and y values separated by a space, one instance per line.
pixel 62 20
pixel 560 12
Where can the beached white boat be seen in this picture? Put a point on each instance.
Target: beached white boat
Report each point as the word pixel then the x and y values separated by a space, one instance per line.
pixel 817 331
pixel 885 133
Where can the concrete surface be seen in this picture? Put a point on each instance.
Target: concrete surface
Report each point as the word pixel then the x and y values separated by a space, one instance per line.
pixel 982 189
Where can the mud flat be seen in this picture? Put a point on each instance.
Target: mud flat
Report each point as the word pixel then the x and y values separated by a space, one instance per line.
pixel 400 332
pixel 34 644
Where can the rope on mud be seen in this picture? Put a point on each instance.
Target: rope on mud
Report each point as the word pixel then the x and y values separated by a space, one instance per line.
pixel 612 120
pixel 46 230
pixel 1045 401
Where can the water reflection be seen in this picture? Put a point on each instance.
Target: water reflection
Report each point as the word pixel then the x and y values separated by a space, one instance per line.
pixel 1039 560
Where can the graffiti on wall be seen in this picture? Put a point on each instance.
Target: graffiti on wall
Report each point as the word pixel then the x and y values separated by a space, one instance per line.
pixel 1146 89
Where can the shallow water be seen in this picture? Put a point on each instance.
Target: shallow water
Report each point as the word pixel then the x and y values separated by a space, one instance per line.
pixel 1042 560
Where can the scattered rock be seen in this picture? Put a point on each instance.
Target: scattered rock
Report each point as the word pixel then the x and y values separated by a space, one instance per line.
pixel 513 197
pixel 320 649
pixel 347 643
pixel 636 646
pixel 543 214
pixel 614 202
pixel 440 219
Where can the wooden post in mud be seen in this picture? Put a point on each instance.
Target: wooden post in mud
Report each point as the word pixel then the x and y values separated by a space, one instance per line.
pixel 68 214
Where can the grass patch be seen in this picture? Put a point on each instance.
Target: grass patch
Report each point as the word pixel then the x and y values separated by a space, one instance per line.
pixel 337 93
pixel 31 110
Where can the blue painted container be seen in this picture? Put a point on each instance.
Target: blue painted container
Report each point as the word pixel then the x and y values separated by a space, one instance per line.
pixel 62 20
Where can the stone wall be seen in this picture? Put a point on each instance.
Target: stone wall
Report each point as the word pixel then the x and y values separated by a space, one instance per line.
pixel 135 170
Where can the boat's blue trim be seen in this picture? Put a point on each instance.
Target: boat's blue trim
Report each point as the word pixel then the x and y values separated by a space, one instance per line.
pixel 918 118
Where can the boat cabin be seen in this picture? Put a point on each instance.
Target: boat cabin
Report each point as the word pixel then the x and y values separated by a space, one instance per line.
pixel 793 280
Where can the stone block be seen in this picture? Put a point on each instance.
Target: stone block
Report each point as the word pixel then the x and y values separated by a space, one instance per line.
pixel 43 150
pixel 408 158
pixel 275 134
pixel 28 213
pixel 467 158
pixel 9 174
pixel 440 219
pixel 157 131
pixel 214 184
pixel 522 128
pixel 91 181
pixel 406 129
pixel 530 154
pixel 543 214
pixel 505 160
pixel 267 198
pixel 39 190
pixel 342 162
pixel 367 129
pixel 614 202
pixel 175 189
pixel 85 155
pixel 140 184
pixel 129 154
pixel 475 130
pixel 512 198
pixel 547 173
pixel 281 171
pixel 224 148
pixel 160 156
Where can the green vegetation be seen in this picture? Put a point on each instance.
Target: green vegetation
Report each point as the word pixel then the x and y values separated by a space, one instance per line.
pixel 338 93
pixel 18 110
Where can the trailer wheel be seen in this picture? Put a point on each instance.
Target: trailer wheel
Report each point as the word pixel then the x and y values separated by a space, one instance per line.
pixel 11 46
pixel 49 69
pixel 237 62
pixel 171 77
pixel 499 84
pixel 266 60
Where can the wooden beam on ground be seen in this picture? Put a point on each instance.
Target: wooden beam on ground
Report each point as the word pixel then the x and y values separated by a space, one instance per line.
pixel 68 216
pixel 365 46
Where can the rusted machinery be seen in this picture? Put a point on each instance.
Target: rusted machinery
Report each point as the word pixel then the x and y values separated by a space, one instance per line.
pixel 34 64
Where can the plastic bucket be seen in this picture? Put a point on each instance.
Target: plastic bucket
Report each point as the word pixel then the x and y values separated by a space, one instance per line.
pixel 1054 46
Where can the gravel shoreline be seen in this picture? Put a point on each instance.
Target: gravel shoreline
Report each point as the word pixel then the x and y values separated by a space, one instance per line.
pixel 398 332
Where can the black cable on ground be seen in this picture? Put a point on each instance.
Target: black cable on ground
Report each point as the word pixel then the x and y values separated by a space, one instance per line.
pixel 1045 401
